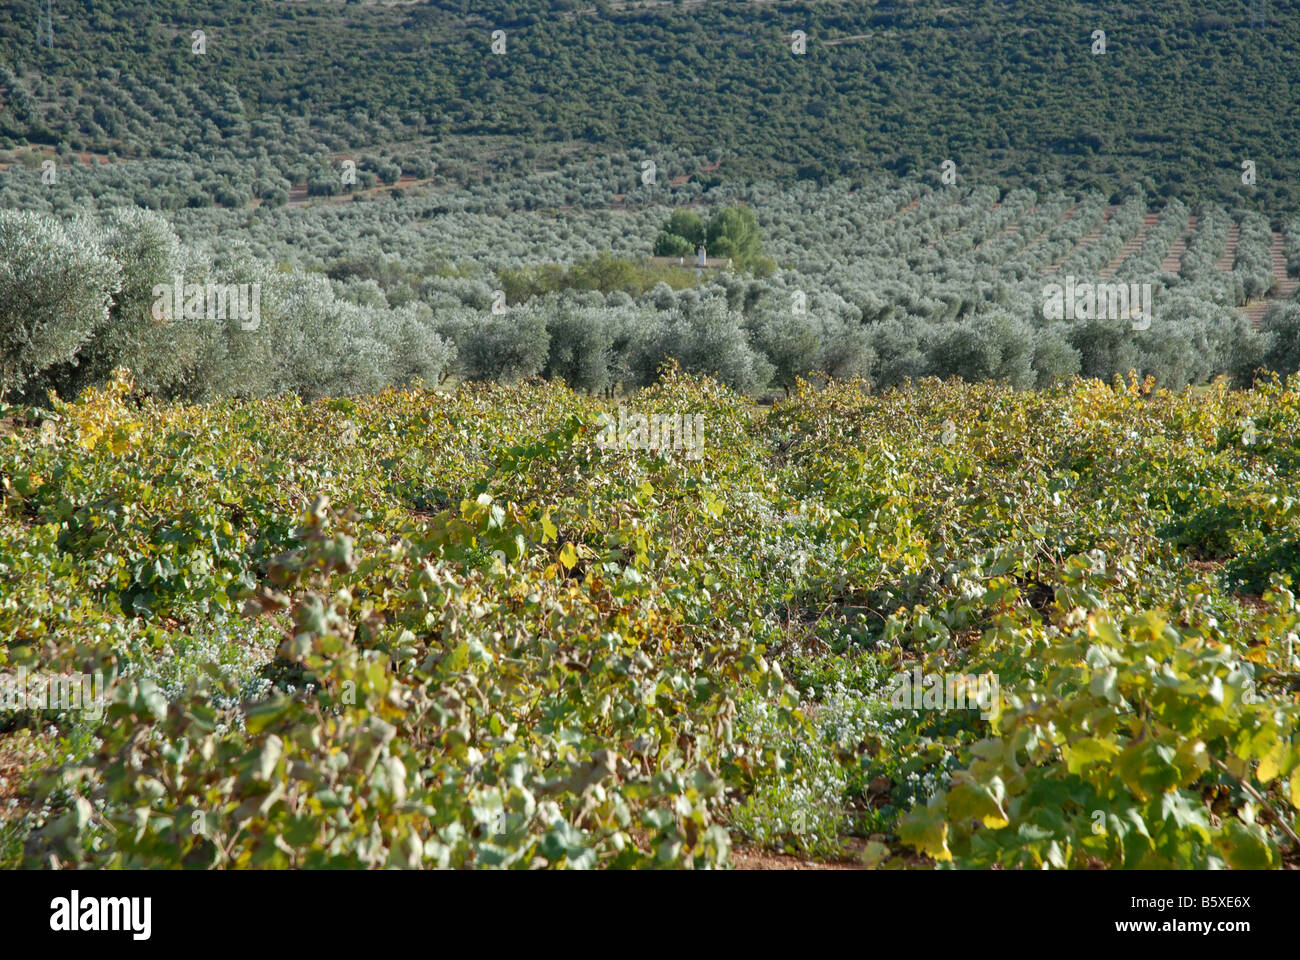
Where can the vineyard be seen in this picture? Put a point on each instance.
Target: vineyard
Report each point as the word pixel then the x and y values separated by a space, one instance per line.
pixel 648 434
pixel 455 628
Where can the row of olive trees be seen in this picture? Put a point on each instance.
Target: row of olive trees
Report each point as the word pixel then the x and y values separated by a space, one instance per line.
pixel 77 300
pixel 81 297
pixel 1148 260
pixel 893 281
pixel 595 346
pixel 752 340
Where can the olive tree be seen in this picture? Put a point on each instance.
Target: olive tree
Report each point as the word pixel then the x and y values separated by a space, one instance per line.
pixel 415 351
pixel 509 347
pixel 158 351
pixel 708 339
pixel 56 289
pixel 581 346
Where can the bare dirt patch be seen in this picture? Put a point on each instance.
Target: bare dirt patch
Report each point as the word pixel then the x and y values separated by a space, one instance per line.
pixel 748 859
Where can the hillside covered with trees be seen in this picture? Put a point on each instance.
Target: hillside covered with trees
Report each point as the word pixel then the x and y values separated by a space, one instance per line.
pixel 1011 92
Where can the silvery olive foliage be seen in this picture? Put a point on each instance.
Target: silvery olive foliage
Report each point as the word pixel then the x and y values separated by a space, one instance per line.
pixel 79 301
pixel 704 336
pixel 887 279
pixel 509 347
pixel 581 345
pixel 148 252
pixel 1282 326
pixel 56 289
pixel 1253 263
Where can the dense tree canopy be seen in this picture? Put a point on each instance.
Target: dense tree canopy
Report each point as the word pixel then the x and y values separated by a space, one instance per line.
pixel 1009 92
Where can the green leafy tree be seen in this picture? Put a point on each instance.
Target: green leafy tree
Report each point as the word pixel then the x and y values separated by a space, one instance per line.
pixel 672 245
pixel 734 233
pixel 688 225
